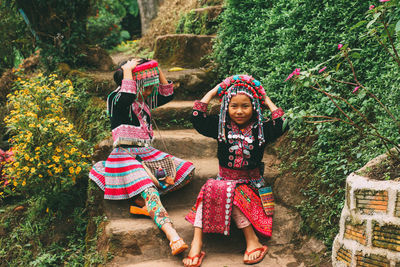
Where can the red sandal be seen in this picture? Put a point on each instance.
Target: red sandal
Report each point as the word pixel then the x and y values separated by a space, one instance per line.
pixel 263 249
pixel 199 256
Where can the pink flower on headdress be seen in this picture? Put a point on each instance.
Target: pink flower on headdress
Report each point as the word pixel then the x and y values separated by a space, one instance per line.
pixel 321 70
pixel 339 46
pixel 356 89
pixel 371 7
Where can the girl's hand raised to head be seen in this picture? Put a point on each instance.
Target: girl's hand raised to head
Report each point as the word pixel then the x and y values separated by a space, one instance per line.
pixel 128 67
pixel 210 94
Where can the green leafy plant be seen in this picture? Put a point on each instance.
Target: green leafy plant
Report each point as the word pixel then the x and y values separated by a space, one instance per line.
pixel 49 155
pixel 361 109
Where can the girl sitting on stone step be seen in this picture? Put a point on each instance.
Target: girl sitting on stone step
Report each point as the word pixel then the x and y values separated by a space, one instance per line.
pixel 238 191
pixel 142 87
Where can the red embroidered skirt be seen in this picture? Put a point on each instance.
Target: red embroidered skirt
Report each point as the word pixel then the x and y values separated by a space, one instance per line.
pixel 218 196
pixel 121 176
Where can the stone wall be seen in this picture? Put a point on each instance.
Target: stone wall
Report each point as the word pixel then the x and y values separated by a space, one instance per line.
pixel 369 224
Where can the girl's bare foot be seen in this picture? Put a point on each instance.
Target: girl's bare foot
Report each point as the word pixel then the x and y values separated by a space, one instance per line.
pixel 254 255
pixel 195 253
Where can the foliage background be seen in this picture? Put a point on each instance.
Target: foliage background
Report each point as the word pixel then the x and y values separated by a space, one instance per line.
pixel 269 39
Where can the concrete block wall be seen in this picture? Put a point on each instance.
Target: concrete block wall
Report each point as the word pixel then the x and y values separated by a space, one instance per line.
pixel 369 225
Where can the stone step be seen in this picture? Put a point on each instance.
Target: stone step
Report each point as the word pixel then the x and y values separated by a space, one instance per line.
pixel 185 144
pixel 190 84
pixel 135 239
pixel 278 256
pixel 183 50
pixel 176 114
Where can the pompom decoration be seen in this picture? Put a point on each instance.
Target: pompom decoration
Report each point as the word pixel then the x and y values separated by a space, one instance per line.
pixel 241 84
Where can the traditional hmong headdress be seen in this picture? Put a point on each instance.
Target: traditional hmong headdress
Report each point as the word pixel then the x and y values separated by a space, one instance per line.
pixel 241 84
pixel 147 74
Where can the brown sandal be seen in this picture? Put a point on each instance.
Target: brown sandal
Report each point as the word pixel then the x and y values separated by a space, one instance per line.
pixel 179 249
pixel 139 211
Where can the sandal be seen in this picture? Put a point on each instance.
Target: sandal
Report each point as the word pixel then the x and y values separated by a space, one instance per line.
pixel 139 211
pixel 199 256
pixel 263 250
pixel 179 249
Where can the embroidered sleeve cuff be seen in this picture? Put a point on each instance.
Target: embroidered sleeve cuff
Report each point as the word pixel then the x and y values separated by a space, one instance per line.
pixel 166 89
pixel 128 86
pixel 200 106
pixel 277 113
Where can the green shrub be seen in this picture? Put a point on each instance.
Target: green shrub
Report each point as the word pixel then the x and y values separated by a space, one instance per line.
pixel 17 41
pixel 105 27
pixel 49 155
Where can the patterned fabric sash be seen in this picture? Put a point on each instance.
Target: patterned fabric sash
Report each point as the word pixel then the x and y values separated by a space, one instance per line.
pixel 231 174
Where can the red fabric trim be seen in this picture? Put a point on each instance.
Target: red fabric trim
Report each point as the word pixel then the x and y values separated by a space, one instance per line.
pixel 277 113
pixel 200 106
pixel 166 89
pixel 148 65
pixel 128 86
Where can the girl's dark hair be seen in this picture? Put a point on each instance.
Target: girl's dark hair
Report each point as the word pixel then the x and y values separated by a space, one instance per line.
pixel 119 73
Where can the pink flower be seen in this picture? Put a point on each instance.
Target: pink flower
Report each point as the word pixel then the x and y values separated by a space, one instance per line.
pixel 356 89
pixel 289 77
pixel 371 7
pixel 321 70
pixel 339 46
pixel 295 72
pixel 384 1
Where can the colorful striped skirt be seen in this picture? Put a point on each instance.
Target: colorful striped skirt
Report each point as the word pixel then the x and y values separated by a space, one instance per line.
pixel 121 176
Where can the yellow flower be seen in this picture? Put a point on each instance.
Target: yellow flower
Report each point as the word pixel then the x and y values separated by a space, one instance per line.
pixel 58 149
pixel 47 210
pixel 50 144
pixel 71 170
pixel 15 183
pixel 24 183
pixel 33 170
pixel 78 170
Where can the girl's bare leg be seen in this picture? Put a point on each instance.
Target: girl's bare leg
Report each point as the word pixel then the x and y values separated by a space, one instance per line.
pixel 252 243
pixel 195 247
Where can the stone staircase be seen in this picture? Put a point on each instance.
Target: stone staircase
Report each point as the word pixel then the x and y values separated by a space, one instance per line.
pixel 136 241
